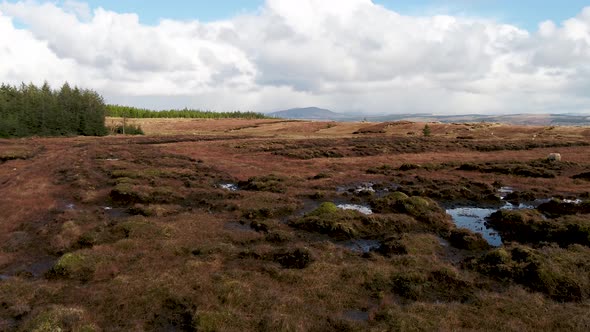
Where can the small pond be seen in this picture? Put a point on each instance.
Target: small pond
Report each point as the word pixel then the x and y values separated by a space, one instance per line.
pixel 229 186
pixel 356 315
pixel 360 208
pixel 237 226
pixel 473 218
pixel 116 212
pixel 360 245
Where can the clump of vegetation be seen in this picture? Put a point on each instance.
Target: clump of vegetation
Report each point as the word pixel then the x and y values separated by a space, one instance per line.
pixel 517 197
pixel 328 219
pixel 76 265
pixel 270 183
pixel 540 168
pixel 154 210
pixel 383 169
pixel 174 314
pixel 29 110
pixel 294 259
pixel 408 167
pixel 322 175
pixel 465 239
pixel 530 226
pixel 422 209
pixel 127 129
pixel 422 279
pixel 582 176
pixel 556 208
pixel 410 244
pixel 60 318
pixel 426 131
pixel 347 224
pixel 460 192
pixel 444 284
pixel 562 274
pixel 18 152
pixel 139 228
pixel 307 154
pixel 126 194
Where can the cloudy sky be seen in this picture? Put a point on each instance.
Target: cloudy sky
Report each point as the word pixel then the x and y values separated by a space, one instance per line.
pixel 375 57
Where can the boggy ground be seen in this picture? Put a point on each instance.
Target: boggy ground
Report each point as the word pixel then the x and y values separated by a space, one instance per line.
pixel 149 233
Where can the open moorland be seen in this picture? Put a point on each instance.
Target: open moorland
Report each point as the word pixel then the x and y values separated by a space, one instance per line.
pixel 275 225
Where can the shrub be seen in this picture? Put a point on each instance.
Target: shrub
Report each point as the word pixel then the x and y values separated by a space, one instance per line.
pixel 127 129
pixel 426 131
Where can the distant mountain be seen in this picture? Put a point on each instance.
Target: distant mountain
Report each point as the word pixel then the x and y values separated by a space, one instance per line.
pixel 315 113
pixel 308 113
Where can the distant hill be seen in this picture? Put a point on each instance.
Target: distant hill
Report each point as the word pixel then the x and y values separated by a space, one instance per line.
pixel 315 113
pixel 516 119
pixel 308 113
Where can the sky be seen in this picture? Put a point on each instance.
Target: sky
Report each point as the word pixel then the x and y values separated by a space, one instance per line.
pixel 373 57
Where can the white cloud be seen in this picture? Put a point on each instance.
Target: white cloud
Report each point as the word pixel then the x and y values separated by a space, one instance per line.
pixel 341 54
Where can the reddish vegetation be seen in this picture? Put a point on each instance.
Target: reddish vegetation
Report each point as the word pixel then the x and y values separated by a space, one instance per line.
pixel 137 233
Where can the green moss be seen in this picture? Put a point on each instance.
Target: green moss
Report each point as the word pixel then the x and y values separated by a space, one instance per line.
pixel 324 209
pixel 398 195
pixel 416 206
pixel 498 256
pixel 75 265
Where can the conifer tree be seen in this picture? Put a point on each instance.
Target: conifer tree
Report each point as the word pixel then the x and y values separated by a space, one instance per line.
pixel 29 110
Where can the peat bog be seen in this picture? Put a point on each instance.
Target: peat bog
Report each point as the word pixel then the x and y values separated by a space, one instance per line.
pixel 236 225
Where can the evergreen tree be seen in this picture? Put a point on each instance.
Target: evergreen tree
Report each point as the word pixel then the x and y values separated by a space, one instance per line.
pixel 132 112
pixel 29 110
pixel 426 131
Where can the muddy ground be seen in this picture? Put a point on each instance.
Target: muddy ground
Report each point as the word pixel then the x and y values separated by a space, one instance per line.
pixel 237 225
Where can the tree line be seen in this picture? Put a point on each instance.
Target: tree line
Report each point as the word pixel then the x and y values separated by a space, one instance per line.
pixel 28 110
pixel 134 112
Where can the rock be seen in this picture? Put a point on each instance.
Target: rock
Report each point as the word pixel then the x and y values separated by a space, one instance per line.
pixel 554 157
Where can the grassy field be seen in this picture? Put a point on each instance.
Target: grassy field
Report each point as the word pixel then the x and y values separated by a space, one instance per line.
pixel 238 225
